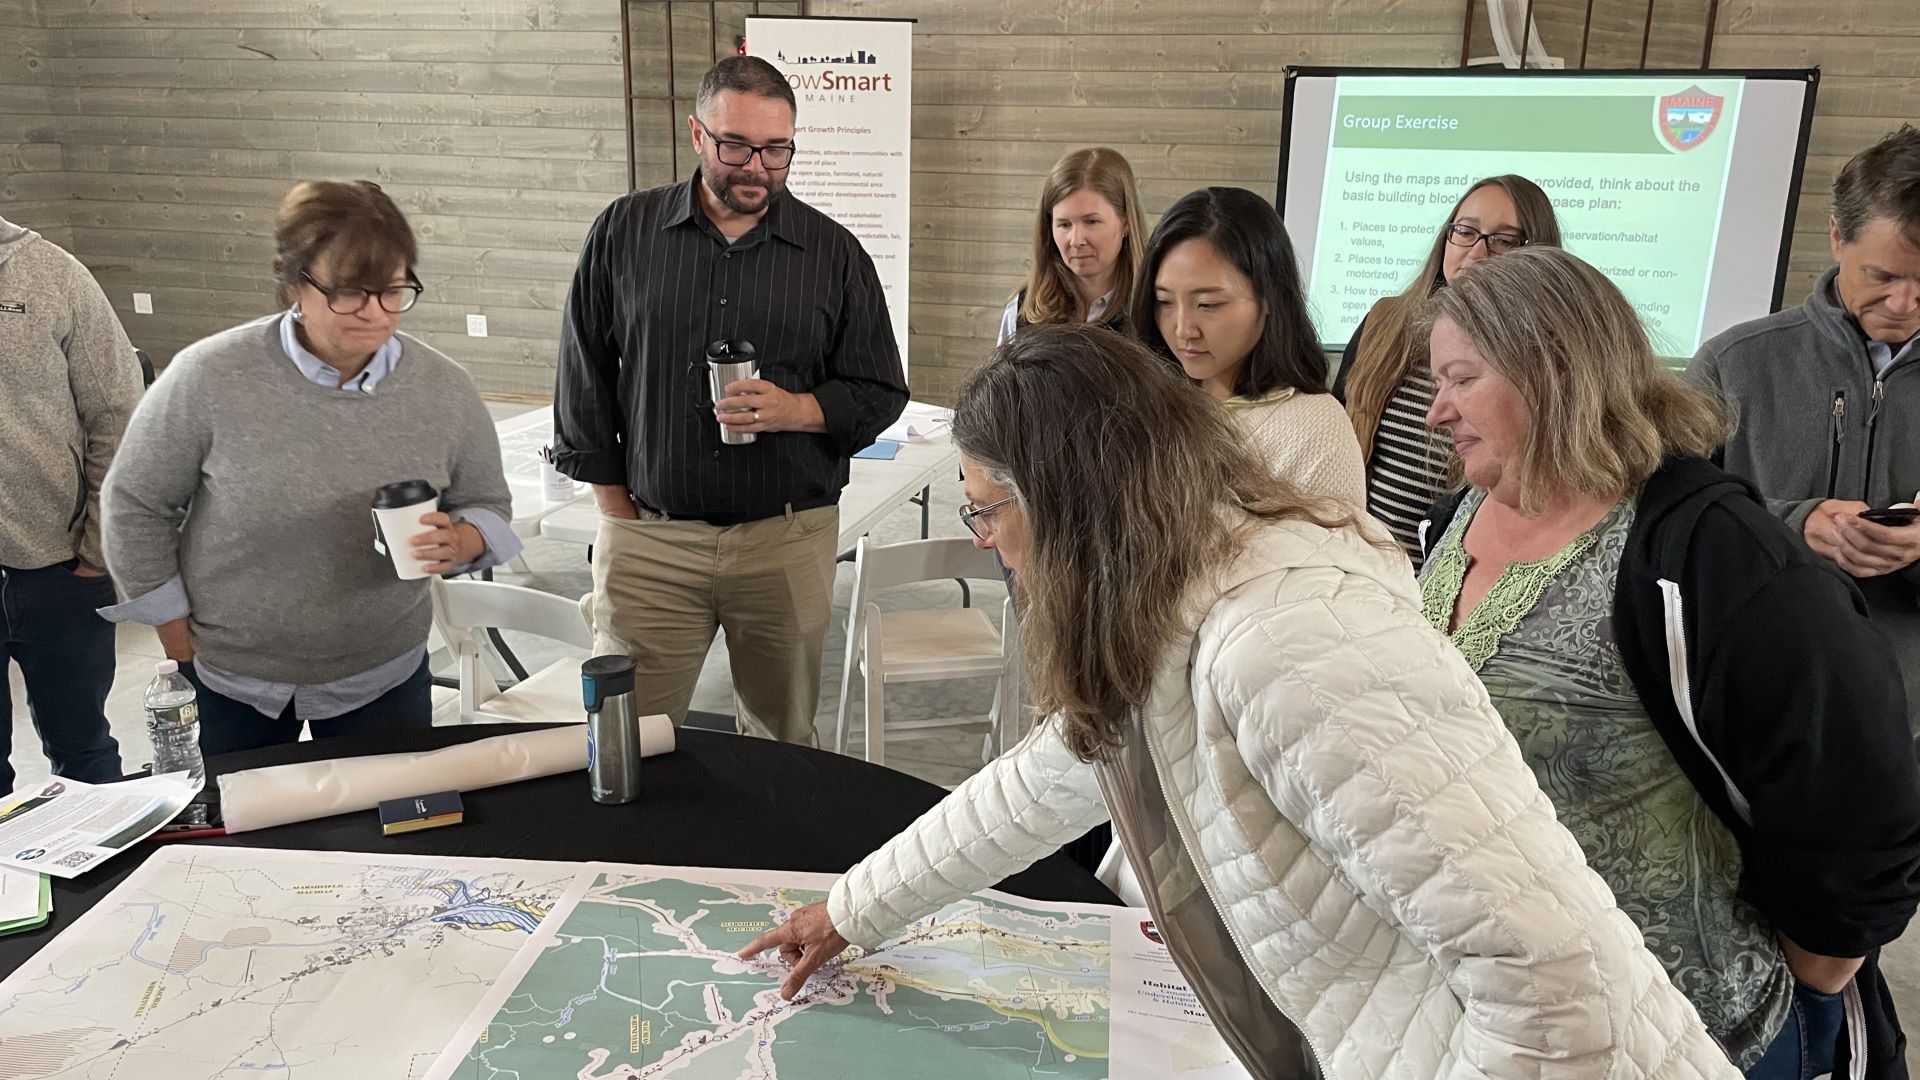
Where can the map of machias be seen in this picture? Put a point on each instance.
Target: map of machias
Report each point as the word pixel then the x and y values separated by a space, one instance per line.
pixel 219 961
pixel 215 963
pixel 639 979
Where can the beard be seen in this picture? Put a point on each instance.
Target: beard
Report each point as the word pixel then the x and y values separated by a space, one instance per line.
pixel 723 189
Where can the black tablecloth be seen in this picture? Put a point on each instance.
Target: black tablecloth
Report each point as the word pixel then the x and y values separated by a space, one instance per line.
pixel 717 800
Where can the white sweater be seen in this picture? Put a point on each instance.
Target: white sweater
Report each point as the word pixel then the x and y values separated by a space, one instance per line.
pixel 1307 439
pixel 1394 877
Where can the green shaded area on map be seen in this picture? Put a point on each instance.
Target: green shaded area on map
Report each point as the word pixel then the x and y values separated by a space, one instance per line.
pixel 641 974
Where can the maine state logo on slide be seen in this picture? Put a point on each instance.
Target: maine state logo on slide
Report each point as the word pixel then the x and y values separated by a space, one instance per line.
pixel 1685 119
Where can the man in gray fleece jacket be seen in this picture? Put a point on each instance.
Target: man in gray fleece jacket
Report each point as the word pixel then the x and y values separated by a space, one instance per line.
pixel 68 381
pixel 1828 394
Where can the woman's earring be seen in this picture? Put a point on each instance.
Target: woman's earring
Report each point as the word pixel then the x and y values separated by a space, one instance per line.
pixel 298 315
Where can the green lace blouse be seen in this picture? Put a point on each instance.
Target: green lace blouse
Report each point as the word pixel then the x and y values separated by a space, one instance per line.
pixel 1542 641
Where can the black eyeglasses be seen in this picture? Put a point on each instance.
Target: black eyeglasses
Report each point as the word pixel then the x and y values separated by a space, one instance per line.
pixel 349 299
pixel 976 519
pixel 729 152
pixel 1497 243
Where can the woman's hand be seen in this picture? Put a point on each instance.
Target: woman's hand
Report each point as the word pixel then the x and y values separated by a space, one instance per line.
pixel 176 640
pixel 806 940
pixel 1827 974
pixel 448 545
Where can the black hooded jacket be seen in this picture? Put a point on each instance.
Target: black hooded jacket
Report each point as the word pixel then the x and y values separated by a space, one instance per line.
pixel 1783 705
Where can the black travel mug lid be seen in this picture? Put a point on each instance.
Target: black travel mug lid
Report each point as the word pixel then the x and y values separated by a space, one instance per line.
pixel 730 351
pixel 404 493
pixel 603 677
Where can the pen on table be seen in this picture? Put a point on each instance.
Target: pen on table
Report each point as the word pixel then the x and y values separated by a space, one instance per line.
pixel 166 837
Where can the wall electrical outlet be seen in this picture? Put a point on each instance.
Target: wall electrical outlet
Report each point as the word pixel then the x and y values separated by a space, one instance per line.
pixel 142 303
pixel 476 326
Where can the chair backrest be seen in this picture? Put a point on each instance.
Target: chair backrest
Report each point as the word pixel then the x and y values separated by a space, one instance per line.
pixel 474 605
pixel 1503 16
pixel 881 566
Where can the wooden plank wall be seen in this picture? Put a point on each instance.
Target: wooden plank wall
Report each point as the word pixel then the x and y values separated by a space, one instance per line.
pixel 32 191
pixel 1189 90
pixel 673 46
pixel 163 131
pixel 496 125
pixel 1869 55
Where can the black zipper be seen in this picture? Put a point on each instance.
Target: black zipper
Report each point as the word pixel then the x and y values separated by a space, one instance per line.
pixel 1873 417
pixel 1839 436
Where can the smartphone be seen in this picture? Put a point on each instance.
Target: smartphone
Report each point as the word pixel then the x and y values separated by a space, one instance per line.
pixel 1892 515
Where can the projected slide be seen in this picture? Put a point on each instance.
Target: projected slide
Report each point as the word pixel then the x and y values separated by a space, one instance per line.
pixel 1676 186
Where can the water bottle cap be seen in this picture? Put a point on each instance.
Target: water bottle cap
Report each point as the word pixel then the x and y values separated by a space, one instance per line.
pixel 166 667
pixel 603 677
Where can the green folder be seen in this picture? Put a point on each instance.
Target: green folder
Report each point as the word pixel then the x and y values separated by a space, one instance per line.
pixel 34 922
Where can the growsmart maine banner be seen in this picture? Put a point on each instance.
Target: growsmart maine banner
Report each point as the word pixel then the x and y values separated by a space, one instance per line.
pixel 853 84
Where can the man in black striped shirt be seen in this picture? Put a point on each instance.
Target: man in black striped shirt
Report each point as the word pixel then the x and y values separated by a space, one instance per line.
pixel 697 534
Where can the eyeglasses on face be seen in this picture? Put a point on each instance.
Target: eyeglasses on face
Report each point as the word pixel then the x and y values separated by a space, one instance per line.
pixel 1497 243
pixel 976 518
pixel 730 152
pixel 349 299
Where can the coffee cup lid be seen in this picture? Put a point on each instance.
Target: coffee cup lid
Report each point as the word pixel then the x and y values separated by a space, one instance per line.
pixel 730 351
pixel 404 493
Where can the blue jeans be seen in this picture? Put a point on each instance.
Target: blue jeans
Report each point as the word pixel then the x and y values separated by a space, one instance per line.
pixel 227 725
pixel 1808 1042
pixel 65 652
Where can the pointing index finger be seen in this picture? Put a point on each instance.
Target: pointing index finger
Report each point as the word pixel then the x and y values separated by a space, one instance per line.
pixel 779 935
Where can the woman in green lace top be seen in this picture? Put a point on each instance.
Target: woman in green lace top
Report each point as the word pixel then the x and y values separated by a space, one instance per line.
pixel 1565 576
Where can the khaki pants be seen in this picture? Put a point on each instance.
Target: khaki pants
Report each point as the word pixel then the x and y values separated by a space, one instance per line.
pixel 661 588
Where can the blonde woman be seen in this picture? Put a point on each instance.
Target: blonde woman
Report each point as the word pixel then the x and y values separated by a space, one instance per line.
pixel 1086 246
pixel 1219 298
pixel 1339 838
pixel 1384 377
pixel 1706 703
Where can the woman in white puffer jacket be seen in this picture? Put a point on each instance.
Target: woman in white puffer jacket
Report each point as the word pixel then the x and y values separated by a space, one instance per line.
pixel 1337 837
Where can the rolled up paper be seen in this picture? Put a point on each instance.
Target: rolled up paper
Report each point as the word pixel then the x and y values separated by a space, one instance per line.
pixel 283 794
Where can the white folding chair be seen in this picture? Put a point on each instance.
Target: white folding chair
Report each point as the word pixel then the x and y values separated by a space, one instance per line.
pixel 924 646
pixel 1503 16
pixel 464 611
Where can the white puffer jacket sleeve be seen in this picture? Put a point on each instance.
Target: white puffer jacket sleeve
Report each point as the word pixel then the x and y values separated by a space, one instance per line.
pixel 1374 739
pixel 1006 817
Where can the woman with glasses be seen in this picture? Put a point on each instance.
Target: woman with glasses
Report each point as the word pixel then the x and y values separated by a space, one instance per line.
pixel 237 517
pixel 1340 844
pixel 1384 377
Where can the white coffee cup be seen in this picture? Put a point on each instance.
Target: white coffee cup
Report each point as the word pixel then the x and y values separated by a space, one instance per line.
pixel 397 510
pixel 555 486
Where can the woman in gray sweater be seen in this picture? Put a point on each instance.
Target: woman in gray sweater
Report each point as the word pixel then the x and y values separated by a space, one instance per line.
pixel 237 514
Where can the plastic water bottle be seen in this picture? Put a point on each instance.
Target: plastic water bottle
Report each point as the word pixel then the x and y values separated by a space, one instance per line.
pixel 173 722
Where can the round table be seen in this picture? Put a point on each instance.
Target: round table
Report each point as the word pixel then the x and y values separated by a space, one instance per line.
pixel 718 800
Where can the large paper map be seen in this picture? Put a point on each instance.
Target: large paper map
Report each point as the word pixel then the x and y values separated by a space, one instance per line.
pixel 214 961
pixel 640 979
pixel 219 962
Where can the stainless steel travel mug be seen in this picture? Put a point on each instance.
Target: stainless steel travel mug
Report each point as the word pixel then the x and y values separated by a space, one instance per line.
pixel 613 732
pixel 730 361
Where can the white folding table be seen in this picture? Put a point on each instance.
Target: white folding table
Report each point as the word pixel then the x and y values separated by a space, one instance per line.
pixel 874 488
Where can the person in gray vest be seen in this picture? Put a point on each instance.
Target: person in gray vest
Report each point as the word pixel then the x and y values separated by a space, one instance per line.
pixel 237 515
pixel 68 381
pixel 1828 395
